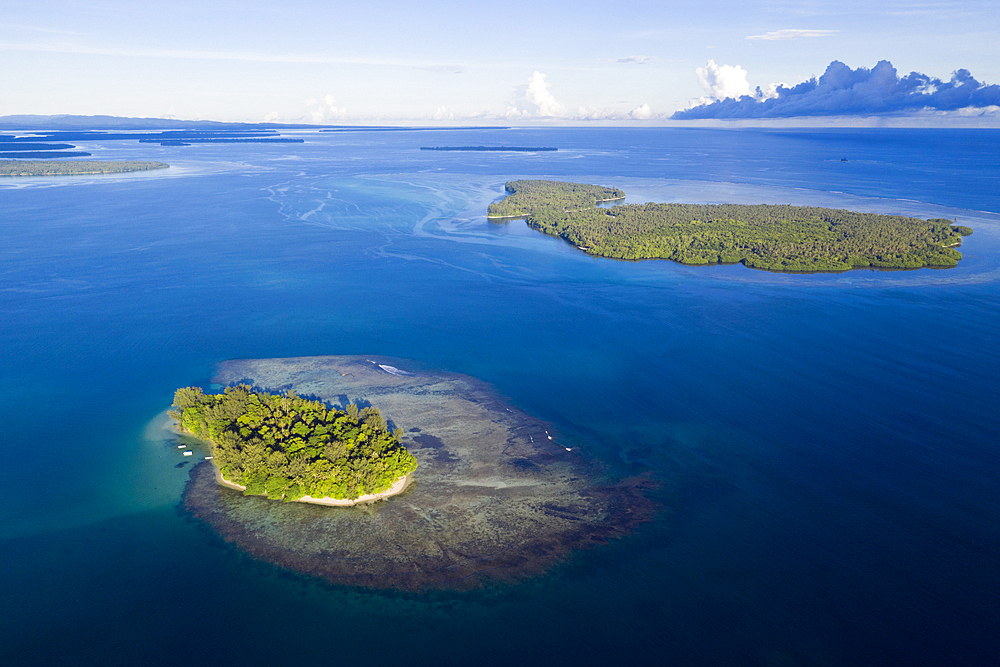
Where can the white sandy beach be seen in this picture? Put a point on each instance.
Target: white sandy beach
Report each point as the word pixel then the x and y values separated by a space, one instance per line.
pixel 397 487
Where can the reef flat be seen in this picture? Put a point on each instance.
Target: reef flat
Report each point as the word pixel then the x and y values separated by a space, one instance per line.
pixel 494 498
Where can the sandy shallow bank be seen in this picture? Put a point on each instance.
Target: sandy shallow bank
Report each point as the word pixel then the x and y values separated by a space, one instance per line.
pixel 397 487
pixel 493 499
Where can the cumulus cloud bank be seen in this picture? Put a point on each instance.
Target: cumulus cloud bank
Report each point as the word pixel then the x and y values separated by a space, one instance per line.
pixel 841 91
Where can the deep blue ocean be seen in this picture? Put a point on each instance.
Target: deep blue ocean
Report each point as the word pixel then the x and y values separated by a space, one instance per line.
pixel 827 446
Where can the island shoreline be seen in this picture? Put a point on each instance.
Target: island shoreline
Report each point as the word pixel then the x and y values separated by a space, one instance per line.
pixel 495 499
pixel 397 487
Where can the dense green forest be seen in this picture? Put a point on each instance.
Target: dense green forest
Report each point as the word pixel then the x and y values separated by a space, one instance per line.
pixel 37 168
pixel 529 197
pixel 288 447
pixel 764 236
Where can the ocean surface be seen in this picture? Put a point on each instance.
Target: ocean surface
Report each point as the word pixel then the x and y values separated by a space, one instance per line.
pixel 827 446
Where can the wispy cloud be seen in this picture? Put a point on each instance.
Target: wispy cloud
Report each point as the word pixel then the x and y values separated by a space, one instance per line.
pixel 791 33
pixel 35 28
pixel 842 91
pixel 240 56
pixel 640 60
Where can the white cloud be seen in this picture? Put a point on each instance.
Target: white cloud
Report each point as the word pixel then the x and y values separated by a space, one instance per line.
pixel 239 56
pixel 540 95
pixel 768 93
pixel 535 100
pixel 513 113
pixel 791 33
pixel 590 113
pixel 642 112
pixel 324 110
pixel 722 82
pixel 272 117
pixel 442 113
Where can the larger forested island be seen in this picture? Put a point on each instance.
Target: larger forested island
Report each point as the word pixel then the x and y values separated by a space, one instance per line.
pixel 774 237
pixel 80 167
pixel 290 447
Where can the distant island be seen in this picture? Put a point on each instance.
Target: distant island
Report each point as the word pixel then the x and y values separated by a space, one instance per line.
pixel 295 449
pixel 44 154
pixel 40 146
pixel 188 140
pixel 38 168
pixel 514 149
pixel 773 237
pixel 25 146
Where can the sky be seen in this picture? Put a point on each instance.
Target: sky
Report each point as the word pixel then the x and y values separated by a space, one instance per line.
pixel 578 62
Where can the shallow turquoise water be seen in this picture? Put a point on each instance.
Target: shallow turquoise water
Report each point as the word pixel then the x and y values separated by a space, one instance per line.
pixel 827 443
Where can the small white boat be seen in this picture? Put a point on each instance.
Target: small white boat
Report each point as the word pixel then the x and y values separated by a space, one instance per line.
pixel 392 370
pixel 209 458
pixel 181 446
pixel 188 453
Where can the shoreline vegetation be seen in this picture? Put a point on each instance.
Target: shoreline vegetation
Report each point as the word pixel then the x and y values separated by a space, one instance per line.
pixel 398 487
pixel 773 237
pixel 295 449
pixel 77 168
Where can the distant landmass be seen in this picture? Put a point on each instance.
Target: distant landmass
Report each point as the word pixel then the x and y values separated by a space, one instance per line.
pixel 763 236
pixel 40 144
pixel 13 146
pixel 396 128
pixel 79 167
pixel 516 149
pixel 187 141
pixel 75 122
pixel 42 155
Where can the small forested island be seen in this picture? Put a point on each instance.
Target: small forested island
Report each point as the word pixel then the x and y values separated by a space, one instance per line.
pixel 293 448
pixel 510 149
pixel 774 237
pixel 188 140
pixel 39 168
pixel 24 146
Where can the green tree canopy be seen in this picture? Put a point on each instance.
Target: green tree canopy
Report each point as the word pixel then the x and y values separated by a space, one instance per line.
pixel 288 447
pixel 767 236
